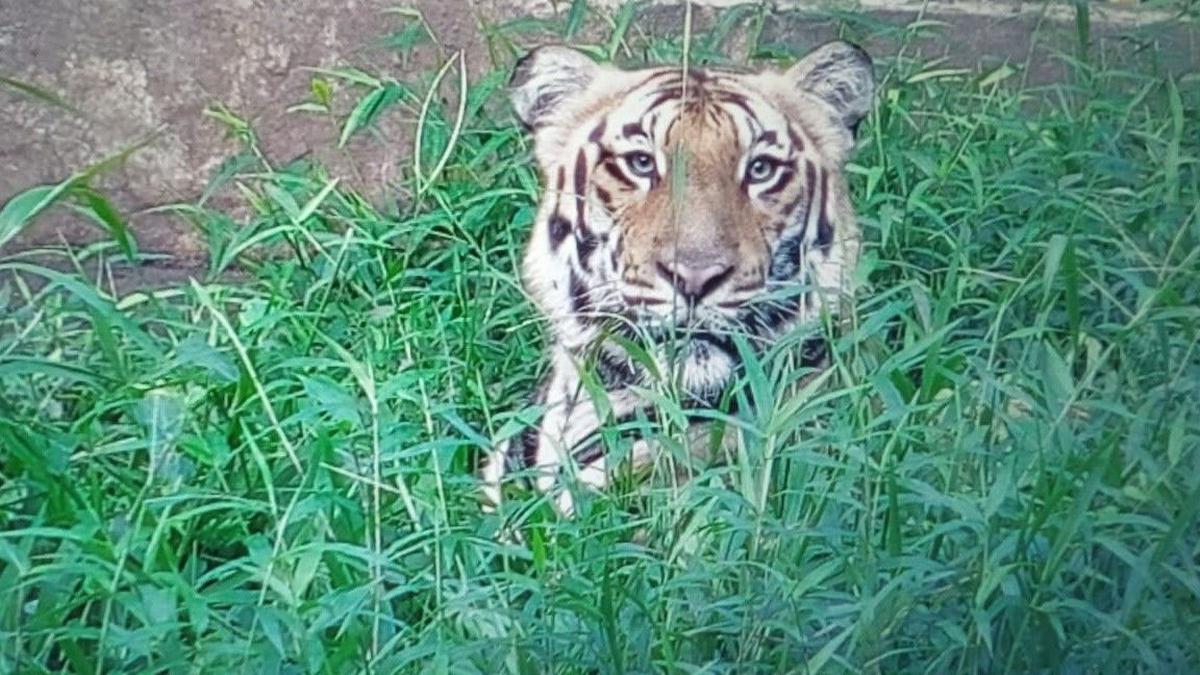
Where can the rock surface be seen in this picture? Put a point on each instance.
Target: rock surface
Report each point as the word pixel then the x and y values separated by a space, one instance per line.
pixel 137 67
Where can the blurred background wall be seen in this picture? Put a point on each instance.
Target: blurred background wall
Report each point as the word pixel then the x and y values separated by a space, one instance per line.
pixel 139 69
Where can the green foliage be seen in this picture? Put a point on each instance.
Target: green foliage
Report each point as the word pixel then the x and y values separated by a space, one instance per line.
pixel 36 93
pixel 1001 472
pixel 77 193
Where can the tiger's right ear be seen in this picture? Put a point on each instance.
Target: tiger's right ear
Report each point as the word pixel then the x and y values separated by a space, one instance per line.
pixel 547 77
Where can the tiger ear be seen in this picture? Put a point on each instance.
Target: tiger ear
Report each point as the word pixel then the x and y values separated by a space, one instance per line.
pixel 840 74
pixel 545 78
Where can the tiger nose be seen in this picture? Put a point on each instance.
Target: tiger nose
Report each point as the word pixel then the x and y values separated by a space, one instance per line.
pixel 694 282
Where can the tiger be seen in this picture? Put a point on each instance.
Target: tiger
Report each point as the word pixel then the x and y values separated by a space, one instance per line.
pixel 677 203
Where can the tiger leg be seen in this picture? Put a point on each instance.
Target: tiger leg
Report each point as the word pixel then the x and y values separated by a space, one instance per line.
pixel 593 468
pixel 596 474
pixel 569 419
pixel 703 449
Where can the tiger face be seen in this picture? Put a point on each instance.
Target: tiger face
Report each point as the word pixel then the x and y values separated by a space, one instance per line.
pixel 691 203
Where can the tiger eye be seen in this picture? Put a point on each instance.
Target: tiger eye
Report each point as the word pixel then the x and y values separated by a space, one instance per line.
pixel 640 163
pixel 760 170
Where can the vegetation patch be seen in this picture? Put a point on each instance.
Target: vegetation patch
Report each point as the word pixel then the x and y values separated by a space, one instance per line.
pixel 273 472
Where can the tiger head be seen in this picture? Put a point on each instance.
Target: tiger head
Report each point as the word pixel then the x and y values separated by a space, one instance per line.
pixel 704 200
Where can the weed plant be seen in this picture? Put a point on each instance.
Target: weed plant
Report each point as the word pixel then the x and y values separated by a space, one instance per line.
pixel 273 472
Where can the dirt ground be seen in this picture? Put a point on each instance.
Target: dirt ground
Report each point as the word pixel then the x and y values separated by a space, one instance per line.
pixel 137 67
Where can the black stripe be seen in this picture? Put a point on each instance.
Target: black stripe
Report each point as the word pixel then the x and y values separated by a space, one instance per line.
pixel 785 261
pixel 610 165
pixel 589 454
pixel 795 138
pixel 559 229
pixel 527 441
pixel 810 182
pixel 785 176
pixel 673 93
pixel 586 243
pixel 581 302
pixel 723 343
pixel 581 188
pixel 824 228
pixel 598 132
pixel 633 129
pixel 616 371
pixel 560 185
pixel 813 352
pixel 670 129
pixel 529 446
pixel 605 197
pixel 741 102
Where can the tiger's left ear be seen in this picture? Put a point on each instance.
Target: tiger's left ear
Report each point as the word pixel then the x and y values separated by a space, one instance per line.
pixel 842 75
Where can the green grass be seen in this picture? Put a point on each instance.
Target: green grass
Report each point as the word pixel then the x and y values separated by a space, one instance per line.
pixel 272 473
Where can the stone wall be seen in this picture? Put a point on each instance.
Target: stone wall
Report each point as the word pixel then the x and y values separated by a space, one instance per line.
pixel 136 67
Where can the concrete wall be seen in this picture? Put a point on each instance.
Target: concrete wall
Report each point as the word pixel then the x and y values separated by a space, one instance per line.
pixel 136 66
